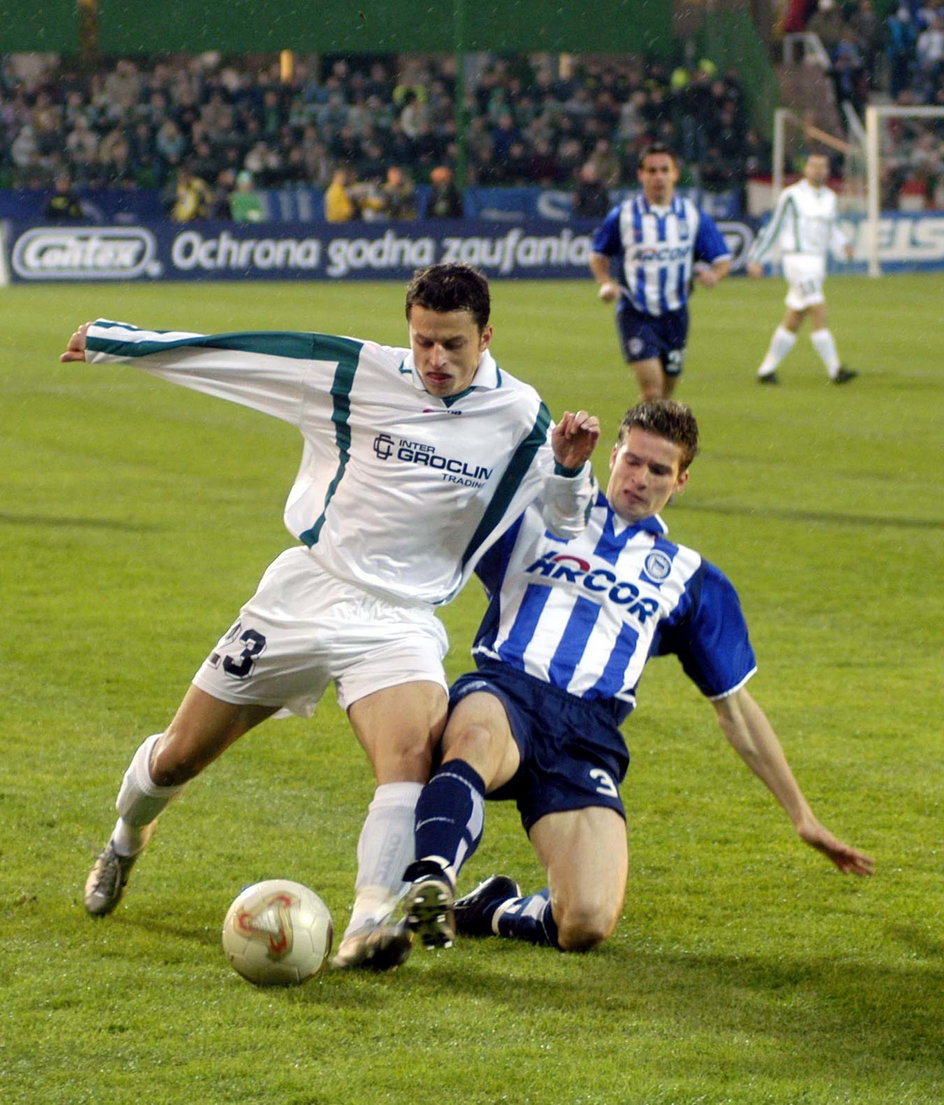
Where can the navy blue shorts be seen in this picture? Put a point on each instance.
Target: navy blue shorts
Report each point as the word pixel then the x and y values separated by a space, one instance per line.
pixel 572 752
pixel 662 337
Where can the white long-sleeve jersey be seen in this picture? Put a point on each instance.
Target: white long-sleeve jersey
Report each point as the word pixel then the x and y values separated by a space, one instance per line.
pixel 398 490
pixel 803 221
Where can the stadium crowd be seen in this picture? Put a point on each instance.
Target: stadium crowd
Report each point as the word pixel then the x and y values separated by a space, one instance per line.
pixel 900 54
pixel 899 58
pixel 137 123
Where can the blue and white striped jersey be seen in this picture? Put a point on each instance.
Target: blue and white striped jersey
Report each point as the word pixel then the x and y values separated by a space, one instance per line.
pixel 398 491
pixel 586 614
pixel 654 250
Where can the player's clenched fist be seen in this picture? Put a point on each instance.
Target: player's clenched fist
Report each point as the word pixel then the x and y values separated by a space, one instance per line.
pixel 574 438
pixel 75 350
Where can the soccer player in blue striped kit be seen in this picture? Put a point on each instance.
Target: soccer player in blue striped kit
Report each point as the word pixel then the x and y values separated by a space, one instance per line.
pixel 560 652
pixel 647 255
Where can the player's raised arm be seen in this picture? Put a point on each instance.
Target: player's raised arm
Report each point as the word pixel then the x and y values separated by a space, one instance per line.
pixel 75 349
pixel 574 438
pixel 751 735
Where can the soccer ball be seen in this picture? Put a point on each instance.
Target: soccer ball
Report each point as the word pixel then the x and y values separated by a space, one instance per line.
pixel 277 933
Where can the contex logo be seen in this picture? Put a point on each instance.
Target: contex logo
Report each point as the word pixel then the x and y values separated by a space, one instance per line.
pixel 89 253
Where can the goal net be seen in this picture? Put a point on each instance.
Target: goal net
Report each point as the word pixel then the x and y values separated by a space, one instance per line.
pixel 904 155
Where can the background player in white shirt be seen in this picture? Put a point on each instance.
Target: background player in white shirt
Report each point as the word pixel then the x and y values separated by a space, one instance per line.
pixel 803 224
pixel 647 255
pixel 414 461
pixel 560 652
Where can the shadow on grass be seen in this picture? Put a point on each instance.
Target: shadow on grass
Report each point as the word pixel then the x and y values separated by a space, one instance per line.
pixel 825 1009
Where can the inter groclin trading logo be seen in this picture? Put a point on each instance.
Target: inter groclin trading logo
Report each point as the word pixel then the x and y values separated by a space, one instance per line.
pixel 422 453
pixel 85 253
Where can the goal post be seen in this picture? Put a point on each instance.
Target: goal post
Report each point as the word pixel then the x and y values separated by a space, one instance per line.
pixel 792 137
pixel 875 116
pixel 869 154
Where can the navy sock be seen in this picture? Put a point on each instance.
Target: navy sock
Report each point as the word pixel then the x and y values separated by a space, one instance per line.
pixel 450 815
pixel 530 919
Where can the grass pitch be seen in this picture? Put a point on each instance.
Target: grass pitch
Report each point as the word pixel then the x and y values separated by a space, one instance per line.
pixel 135 517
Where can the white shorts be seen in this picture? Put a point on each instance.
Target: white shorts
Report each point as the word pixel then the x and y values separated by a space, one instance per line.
pixel 304 628
pixel 805 274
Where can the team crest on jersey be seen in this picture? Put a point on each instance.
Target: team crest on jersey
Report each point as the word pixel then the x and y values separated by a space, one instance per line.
pixel 658 566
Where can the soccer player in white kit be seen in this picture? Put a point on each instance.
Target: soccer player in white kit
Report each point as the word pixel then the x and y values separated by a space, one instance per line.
pixel 804 226
pixel 560 652
pixel 415 461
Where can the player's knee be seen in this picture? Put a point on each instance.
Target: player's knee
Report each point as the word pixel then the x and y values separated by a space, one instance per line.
pixel 175 761
pixel 173 770
pixel 470 741
pixel 581 928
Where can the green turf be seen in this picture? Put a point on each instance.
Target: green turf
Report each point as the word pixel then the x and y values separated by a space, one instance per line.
pixel 134 519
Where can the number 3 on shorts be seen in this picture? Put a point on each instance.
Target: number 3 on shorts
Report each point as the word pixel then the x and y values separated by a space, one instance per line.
pixel 239 662
pixel 604 781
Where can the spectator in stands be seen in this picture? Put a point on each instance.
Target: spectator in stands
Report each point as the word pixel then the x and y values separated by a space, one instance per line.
pixel 929 55
pixel 797 15
pixel 122 88
pixel 64 205
pixel 504 135
pixel 591 198
pixel 398 195
pixel 541 164
pixel 927 161
pixel 606 162
pixel 190 197
pixel 245 203
pixel 171 110
pixel 900 50
pixel 848 73
pixel 445 199
pixel 339 201
pixel 870 35
pixel 170 144
pixel 828 24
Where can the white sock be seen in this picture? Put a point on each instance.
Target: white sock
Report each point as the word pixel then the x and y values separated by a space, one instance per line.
pixel 781 343
pixel 140 801
pixel 825 346
pixel 384 851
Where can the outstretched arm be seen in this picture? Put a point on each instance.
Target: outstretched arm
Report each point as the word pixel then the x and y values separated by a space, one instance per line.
pixel 265 371
pixel 751 735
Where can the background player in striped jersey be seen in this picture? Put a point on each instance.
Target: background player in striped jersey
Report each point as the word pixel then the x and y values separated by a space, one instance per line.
pixel 647 255
pixel 804 226
pixel 414 461
pixel 560 652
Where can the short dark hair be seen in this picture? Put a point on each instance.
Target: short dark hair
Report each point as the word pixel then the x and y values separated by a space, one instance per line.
pixel 657 147
pixel 451 287
pixel 664 418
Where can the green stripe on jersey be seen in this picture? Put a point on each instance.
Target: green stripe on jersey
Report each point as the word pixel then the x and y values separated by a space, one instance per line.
pixel 521 461
pixel 341 388
pixel 274 343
